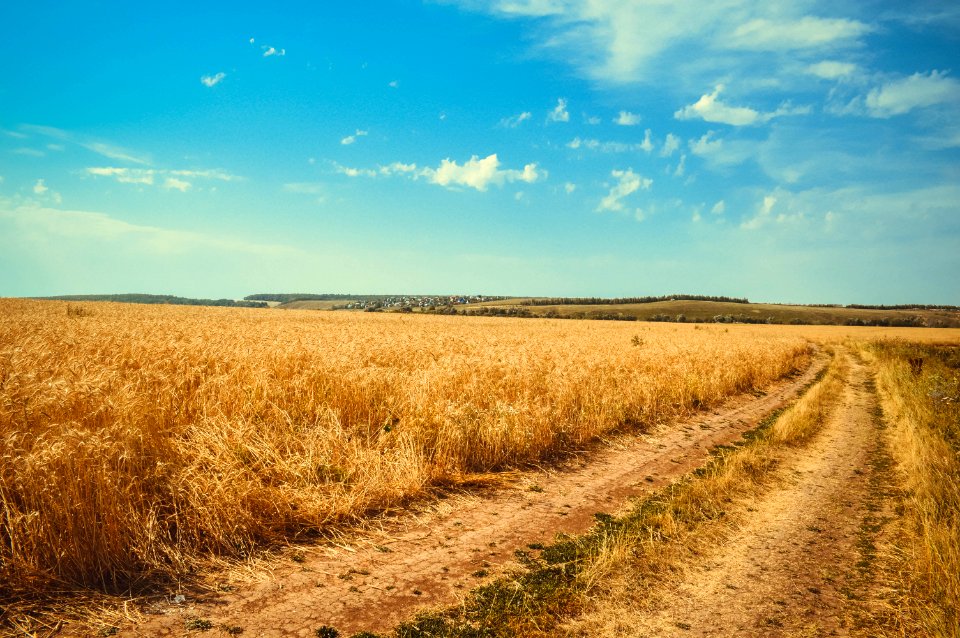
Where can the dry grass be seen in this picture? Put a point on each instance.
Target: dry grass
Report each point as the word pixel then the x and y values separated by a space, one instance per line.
pixel 921 403
pixel 136 440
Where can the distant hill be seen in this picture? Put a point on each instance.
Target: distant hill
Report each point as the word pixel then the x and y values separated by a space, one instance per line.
pixel 160 299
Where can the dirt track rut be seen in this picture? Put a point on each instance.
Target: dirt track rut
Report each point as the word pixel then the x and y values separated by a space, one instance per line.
pixel 382 577
pixel 788 570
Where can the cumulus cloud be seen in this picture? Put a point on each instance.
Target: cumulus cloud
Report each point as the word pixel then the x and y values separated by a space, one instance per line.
pixel 763 214
pixel 516 120
pixel 808 32
pixel 719 208
pixel 393 84
pixel 269 51
pixel 832 69
pixel 626 118
pixel 916 91
pixel 350 139
pixel 706 145
pixel 628 183
pixel 569 187
pixel 710 109
pixel 173 183
pixel 559 112
pixel 212 80
pixel 670 145
pixel 647 143
pixel 479 173
pixel 40 188
pixel 474 173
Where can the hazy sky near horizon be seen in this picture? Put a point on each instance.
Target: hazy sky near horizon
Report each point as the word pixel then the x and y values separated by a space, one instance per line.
pixel 803 151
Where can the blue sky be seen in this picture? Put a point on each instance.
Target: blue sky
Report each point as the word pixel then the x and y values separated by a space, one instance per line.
pixel 805 151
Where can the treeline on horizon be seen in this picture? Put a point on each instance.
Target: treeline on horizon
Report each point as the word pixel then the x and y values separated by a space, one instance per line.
pixel 288 297
pixel 159 299
pixel 600 301
pixel 526 313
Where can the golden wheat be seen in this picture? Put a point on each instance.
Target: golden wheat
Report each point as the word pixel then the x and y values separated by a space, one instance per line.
pixel 136 439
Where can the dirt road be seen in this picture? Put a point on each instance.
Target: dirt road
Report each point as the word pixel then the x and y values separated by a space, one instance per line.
pixel 790 568
pixel 430 558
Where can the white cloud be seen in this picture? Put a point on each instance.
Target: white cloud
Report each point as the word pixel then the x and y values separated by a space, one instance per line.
pixel 670 145
pixel 173 183
pixel 721 153
pixel 681 166
pixel 40 188
pixel 592 120
pixel 475 173
pixel 706 145
pixel 479 173
pixel 916 91
pixel 719 208
pixel 832 69
pixel 32 152
pixel 763 215
pixel 569 187
pixel 627 41
pixel 149 176
pixel 516 120
pixel 647 143
pixel 626 118
pixel 393 84
pixel 559 112
pixel 604 147
pixel 628 183
pixel 212 80
pixel 761 34
pixel 350 139
pixel 398 168
pixel 355 172
pixel 272 51
pixel 57 147
pixel 252 40
pixel 710 109
pixel 123 175
pixel 101 148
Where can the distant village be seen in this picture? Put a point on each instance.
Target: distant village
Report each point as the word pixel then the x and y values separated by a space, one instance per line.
pixel 409 302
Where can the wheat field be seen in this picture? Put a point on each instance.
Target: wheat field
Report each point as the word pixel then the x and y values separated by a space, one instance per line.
pixel 137 440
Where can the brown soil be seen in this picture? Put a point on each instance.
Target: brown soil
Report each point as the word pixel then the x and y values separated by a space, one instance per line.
pixel 791 568
pixel 381 577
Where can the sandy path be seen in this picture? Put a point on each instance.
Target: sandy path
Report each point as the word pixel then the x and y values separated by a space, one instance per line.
pixel 381 578
pixel 785 571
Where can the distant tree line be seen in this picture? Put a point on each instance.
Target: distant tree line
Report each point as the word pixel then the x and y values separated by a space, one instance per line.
pixel 523 312
pixel 600 301
pixel 160 299
pixel 905 307
pixel 296 296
